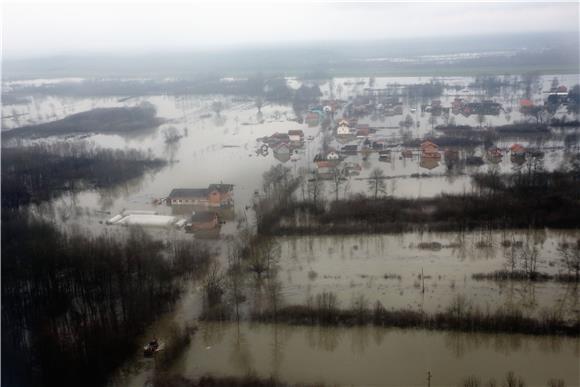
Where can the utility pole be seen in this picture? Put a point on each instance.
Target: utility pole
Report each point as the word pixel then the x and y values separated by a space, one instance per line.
pixel 428 378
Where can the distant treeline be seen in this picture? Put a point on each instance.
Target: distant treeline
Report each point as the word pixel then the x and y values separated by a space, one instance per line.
pixel 38 173
pixel 208 84
pixel 528 199
pixel 73 305
pixel 340 58
pixel 101 120
pixel 515 128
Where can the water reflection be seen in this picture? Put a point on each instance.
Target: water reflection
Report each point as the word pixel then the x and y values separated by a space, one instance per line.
pixel 387 268
pixel 377 356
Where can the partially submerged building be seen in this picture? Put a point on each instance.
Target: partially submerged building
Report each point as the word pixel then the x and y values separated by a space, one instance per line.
pixel 216 195
pixel 296 135
pixel 202 220
pixel 430 150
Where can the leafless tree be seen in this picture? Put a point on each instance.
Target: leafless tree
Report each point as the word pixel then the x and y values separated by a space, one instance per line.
pixel 263 257
pixel 338 180
pixel 377 183
pixel 315 189
pixel 235 281
pixel 217 107
pixel 214 285
pixel 570 257
pixel 259 103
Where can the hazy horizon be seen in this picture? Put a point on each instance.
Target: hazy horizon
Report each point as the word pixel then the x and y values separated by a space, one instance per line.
pixel 44 30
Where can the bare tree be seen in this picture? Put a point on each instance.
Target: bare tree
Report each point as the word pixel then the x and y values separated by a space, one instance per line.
pixel 264 257
pixel 214 285
pixel 315 189
pixel 529 260
pixel 274 292
pixel 432 121
pixel 480 119
pixel 338 180
pixel 511 380
pixel 570 257
pixel 377 183
pixel 171 135
pixel 259 103
pixel 217 107
pixel 235 281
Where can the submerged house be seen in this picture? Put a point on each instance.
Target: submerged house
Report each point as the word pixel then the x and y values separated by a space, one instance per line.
pixel 363 130
pixel 349 149
pixel 312 118
pixel 202 220
pixel 188 196
pixel 296 135
pixel 494 153
pixel 216 195
pixel 277 138
pixel 343 130
pixel 329 158
pixel 430 150
pixel 518 150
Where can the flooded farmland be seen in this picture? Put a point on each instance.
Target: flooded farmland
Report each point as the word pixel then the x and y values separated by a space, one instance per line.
pixel 371 356
pixel 390 269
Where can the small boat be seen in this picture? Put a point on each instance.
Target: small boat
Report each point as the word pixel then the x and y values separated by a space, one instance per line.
pixel 152 348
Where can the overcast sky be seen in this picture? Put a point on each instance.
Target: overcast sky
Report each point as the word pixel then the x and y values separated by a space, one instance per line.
pixel 50 27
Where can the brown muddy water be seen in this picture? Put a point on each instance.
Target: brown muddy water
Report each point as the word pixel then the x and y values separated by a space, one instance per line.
pixel 223 149
pixel 351 266
pixel 387 268
pixel 375 356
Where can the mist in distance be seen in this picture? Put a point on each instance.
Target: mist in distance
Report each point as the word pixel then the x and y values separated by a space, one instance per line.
pixel 39 30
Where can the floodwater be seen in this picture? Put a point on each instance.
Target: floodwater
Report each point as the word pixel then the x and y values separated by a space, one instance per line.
pixel 387 268
pixel 354 266
pixel 375 356
pixel 222 148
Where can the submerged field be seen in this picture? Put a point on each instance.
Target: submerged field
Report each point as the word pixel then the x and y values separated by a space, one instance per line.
pixel 374 356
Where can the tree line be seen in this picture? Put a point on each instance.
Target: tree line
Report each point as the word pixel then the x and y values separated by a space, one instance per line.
pixel 41 172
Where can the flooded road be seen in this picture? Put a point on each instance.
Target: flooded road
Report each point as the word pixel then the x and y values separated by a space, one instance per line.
pixel 375 356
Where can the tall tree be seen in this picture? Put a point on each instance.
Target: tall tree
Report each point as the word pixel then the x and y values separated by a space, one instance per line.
pixel 377 183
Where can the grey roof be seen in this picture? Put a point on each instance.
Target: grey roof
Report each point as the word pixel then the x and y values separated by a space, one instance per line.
pixel 221 188
pixel 188 193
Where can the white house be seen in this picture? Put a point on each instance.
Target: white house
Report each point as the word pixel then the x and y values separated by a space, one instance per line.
pixel 343 130
pixel 332 155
